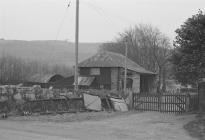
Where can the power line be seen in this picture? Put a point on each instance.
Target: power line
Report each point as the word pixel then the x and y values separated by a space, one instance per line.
pixel 101 12
pixel 62 21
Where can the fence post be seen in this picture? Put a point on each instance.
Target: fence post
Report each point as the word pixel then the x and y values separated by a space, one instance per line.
pixel 187 102
pixel 160 101
pixel 130 99
pixel 133 100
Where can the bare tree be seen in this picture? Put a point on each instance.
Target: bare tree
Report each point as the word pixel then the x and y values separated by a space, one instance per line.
pixel 147 46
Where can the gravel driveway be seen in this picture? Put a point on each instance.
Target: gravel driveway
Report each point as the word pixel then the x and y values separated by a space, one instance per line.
pixel 138 126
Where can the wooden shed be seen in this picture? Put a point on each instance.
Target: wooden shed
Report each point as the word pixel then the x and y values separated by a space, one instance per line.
pixel 43 80
pixel 107 68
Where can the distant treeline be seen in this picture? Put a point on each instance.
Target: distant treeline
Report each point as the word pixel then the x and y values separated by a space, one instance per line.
pixel 16 70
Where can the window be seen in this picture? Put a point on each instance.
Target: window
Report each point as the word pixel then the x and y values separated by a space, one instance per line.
pixel 95 71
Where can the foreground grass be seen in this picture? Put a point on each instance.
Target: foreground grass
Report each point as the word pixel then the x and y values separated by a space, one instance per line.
pixel 70 117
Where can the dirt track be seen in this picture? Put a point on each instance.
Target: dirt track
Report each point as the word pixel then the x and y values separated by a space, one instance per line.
pixel 140 126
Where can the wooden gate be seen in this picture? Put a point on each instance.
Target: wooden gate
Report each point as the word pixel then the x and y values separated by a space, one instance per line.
pixel 161 103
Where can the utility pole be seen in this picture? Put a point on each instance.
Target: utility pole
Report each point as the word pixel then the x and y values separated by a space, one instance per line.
pixel 76 45
pixel 125 72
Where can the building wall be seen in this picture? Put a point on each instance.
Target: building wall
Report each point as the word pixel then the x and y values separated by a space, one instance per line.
pixel 148 84
pixel 136 83
pixel 101 81
pixel 152 84
pixel 84 71
pixel 135 77
pixel 114 78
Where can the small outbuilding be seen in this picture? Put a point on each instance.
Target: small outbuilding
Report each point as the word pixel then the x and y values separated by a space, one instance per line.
pixel 105 70
pixel 47 78
pixel 43 80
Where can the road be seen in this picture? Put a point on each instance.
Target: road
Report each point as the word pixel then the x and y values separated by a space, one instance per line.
pixel 139 126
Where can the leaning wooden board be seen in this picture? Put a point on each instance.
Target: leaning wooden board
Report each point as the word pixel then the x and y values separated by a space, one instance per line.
pixel 119 104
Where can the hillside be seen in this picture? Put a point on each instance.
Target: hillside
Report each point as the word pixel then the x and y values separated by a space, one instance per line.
pixel 51 52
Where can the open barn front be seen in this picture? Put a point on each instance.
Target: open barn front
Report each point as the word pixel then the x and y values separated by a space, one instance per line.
pixel 147 83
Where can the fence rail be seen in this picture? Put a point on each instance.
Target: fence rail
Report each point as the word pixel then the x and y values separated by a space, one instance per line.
pixel 54 105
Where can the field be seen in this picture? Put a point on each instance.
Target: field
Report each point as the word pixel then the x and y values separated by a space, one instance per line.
pixel 51 52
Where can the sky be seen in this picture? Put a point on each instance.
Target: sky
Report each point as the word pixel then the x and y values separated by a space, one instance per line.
pixel 100 20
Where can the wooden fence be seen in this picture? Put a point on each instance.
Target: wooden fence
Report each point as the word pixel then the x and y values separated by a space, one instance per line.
pixel 59 105
pixel 164 103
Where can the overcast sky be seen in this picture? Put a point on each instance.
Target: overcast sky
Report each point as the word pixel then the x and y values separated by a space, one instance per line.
pixel 100 20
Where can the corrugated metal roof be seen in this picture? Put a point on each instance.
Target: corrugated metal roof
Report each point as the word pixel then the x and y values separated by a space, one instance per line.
pixel 85 81
pixel 110 59
pixel 42 78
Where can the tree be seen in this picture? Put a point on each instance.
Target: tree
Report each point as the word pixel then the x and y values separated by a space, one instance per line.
pixel 147 46
pixel 189 55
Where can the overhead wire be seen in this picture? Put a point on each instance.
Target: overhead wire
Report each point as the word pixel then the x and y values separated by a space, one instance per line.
pixel 110 18
pixel 119 17
pixel 101 12
pixel 62 21
pixel 51 53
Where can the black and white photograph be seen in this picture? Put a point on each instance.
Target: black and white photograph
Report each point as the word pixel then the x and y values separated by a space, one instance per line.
pixel 102 69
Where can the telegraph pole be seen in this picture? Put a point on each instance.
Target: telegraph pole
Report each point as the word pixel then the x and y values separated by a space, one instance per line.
pixel 125 72
pixel 76 45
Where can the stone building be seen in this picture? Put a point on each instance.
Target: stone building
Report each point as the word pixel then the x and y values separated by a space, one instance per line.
pixel 105 70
